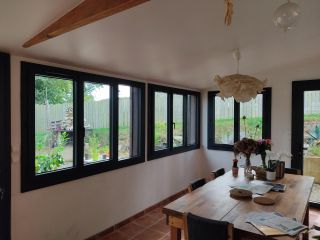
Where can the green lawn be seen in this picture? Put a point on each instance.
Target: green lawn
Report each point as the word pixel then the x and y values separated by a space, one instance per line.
pixel 312 117
pixel 224 129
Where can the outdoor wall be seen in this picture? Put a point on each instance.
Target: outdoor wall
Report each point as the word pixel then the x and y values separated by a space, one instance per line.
pixel 78 209
pixel 280 80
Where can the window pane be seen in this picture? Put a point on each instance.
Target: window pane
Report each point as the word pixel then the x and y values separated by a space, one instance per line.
pixel 125 128
pixel 96 122
pixel 224 120
pixel 177 120
pixel 191 119
pixel 160 121
pixel 251 118
pixel 130 129
pixel 53 124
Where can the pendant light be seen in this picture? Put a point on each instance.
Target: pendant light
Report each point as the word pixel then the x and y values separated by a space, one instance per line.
pixel 287 15
pixel 242 88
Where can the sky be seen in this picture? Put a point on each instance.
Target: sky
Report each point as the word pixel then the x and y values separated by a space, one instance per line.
pixel 104 92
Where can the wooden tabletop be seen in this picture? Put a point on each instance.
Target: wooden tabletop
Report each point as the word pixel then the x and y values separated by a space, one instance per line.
pixel 214 202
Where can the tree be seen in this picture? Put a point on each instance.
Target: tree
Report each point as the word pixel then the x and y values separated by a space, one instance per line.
pixel 57 90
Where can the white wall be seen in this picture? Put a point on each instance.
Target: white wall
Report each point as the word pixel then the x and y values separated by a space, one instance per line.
pixel 84 207
pixel 280 80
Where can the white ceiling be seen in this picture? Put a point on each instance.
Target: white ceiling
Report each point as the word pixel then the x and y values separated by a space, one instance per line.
pixel 180 42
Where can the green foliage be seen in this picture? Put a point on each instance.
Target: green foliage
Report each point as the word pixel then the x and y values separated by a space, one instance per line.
pixel 312 117
pixel 89 88
pixel 224 128
pixel 314 150
pixel 53 160
pixel 160 134
pixel 312 135
pixel 104 150
pixel 94 147
pixel 315 133
pixel 40 141
pixel 251 127
pixel 58 91
pixel 54 90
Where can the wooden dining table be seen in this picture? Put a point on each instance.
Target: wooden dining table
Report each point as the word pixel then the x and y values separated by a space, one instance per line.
pixel 213 201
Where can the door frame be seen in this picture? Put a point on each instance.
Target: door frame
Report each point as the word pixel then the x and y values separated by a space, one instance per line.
pixel 5 147
pixel 298 88
pixel 297 121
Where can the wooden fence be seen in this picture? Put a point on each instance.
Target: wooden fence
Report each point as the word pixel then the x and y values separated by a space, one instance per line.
pixel 96 113
pixel 225 110
pixel 311 102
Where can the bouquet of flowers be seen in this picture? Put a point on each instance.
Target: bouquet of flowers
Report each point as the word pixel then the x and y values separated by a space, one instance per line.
pixel 246 146
pixel 263 145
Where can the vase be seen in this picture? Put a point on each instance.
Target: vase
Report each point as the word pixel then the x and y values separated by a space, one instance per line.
pixel 260 172
pixel 248 169
pixel 271 176
pixel 263 159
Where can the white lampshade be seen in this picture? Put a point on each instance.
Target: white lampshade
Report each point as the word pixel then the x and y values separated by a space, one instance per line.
pixel 286 16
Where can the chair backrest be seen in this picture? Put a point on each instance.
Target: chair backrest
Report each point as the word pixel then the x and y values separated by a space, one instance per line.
pixel 218 173
pixel 293 171
pixel 196 184
pixel 199 228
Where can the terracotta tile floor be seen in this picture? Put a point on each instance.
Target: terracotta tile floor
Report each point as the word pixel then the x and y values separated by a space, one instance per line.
pixel 152 226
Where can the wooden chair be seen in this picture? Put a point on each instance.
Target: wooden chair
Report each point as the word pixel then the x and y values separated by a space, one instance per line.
pixel 196 184
pixel 293 171
pixel 199 228
pixel 217 173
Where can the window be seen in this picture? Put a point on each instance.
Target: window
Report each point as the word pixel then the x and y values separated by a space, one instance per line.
pixel 229 121
pixel 174 121
pixel 76 124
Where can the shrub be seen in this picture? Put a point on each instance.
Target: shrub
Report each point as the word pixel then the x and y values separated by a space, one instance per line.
pixel 52 161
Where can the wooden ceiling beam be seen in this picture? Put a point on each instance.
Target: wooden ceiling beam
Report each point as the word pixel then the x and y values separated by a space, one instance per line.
pixel 85 13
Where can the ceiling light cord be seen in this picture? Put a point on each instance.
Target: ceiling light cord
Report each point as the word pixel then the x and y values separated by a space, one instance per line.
pixel 237 56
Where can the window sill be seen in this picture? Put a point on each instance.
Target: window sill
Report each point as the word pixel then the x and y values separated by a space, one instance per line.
pixel 221 147
pixel 164 153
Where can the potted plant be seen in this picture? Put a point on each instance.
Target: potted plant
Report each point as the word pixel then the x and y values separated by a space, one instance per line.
pixel 94 147
pixel 104 151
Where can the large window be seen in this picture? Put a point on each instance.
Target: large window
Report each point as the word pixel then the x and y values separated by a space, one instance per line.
pixel 229 121
pixel 77 124
pixel 174 120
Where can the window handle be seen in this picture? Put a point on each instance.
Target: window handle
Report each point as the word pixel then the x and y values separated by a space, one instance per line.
pixel 1 194
pixel 174 125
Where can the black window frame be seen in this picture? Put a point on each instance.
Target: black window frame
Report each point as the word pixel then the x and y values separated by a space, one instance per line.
pixel 5 147
pixel 29 179
pixel 266 120
pixel 152 154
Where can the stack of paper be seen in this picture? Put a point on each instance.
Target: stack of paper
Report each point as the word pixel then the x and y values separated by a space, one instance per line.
pixel 254 187
pixel 277 221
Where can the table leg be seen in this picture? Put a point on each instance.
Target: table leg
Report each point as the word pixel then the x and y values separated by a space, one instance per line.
pixel 306 217
pixel 175 233
pixel 306 222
